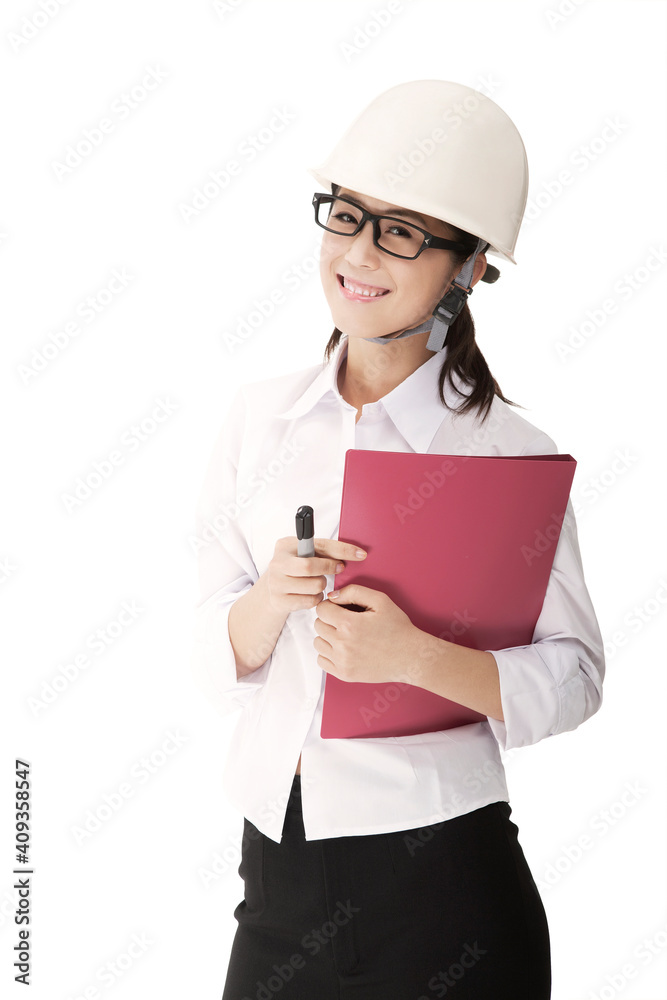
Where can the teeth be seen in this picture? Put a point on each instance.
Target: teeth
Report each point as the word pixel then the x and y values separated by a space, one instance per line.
pixel 360 291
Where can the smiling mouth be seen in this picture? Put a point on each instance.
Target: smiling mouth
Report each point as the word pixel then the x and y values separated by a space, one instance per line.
pixel 359 288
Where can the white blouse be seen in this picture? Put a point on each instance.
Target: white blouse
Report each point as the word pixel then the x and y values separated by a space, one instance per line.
pixel 282 445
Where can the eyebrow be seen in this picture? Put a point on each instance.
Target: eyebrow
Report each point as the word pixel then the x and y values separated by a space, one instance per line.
pixel 407 213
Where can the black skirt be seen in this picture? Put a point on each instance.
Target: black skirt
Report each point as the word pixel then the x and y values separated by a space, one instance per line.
pixel 448 910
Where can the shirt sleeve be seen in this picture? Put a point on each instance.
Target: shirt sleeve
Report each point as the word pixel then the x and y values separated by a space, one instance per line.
pixel 554 684
pixel 226 570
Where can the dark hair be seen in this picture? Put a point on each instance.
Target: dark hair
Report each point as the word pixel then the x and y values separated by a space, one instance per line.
pixel 463 356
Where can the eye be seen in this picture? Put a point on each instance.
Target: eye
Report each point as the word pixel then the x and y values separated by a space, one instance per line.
pixel 344 216
pixel 397 230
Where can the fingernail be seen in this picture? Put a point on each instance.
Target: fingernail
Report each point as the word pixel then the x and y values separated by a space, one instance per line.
pixel 360 553
pixel 340 567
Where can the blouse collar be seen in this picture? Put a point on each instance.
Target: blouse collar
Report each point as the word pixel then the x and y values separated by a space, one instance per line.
pixel 414 405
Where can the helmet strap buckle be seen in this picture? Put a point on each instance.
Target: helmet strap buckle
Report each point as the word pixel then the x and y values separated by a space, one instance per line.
pixel 452 302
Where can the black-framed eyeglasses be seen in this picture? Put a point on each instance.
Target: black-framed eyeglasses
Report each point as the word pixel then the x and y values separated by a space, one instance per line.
pixel 395 236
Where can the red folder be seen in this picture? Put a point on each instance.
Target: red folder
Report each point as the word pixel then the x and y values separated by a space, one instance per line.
pixel 464 545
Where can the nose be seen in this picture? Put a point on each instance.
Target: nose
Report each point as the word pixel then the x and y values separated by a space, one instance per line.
pixel 361 251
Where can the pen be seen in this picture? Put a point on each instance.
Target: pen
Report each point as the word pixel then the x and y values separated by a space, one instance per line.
pixel 305 531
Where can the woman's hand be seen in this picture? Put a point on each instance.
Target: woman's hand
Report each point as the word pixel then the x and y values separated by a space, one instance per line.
pixel 296 582
pixel 373 646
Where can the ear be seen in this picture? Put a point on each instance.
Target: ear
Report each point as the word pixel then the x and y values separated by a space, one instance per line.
pixel 477 272
pixel 479 268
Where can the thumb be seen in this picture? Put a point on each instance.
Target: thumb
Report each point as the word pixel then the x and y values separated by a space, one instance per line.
pixel 353 593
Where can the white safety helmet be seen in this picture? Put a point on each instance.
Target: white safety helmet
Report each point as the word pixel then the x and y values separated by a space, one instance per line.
pixel 445 150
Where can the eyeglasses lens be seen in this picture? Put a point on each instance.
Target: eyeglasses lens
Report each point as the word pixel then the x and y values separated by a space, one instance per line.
pixel 397 237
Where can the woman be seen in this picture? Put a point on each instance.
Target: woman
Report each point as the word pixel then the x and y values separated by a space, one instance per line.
pixel 383 868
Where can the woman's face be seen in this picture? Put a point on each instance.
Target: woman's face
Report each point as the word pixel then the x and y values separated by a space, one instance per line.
pixel 411 287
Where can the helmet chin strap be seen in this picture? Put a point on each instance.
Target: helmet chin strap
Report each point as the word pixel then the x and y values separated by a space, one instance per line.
pixel 446 311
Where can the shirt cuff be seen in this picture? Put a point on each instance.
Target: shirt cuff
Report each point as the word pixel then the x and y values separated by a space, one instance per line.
pixel 213 661
pixel 542 692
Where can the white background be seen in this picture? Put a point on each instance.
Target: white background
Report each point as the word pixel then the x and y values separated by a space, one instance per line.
pixel 66 573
